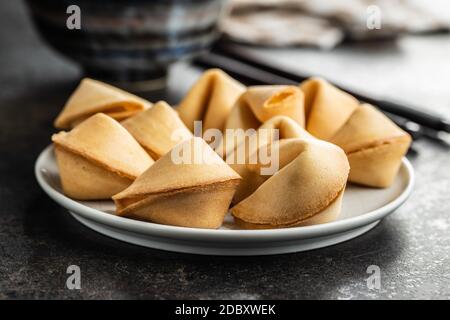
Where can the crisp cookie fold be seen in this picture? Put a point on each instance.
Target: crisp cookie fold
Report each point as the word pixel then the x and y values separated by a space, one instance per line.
pixel 329 214
pixel 195 192
pixel 210 100
pixel 277 128
pixel 158 129
pixel 259 104
pixel 269 101
pixel 312 176
pixel 92 96
pixel 98 158
pixel 327 108
pixel 374 145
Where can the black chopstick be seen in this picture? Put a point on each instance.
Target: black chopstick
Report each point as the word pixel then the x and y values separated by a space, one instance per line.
pixel 250 75
pixel 415 130
pixel 424 118
pixel 247 74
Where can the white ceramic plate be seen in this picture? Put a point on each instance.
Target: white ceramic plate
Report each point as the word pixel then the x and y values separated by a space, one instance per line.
pixel 362 210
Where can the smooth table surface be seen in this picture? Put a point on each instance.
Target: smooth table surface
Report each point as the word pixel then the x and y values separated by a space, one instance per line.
pixel 39 240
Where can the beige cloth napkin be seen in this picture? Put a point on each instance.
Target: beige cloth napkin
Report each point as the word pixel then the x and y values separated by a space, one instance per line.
pixel 325 23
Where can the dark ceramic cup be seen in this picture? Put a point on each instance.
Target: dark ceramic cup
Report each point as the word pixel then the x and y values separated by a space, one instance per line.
pixel 128 42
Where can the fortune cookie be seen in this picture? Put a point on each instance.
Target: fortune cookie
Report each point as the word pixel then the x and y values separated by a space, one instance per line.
pixel 259 104
pixel 307 189
pixel 93 96
pixel 191 186
pixel 374 145
pixel 210 100
pixel 158 129
pixel 327 108
pixel 276 128
pixel 98 158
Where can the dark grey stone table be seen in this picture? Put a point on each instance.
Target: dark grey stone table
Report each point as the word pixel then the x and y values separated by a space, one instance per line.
pixel 39 240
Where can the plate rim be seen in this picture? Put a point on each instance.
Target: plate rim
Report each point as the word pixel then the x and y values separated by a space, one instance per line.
pixel 216 249
pixel 177 232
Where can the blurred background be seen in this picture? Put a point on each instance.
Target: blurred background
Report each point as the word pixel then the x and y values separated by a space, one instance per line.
pixel 388 53
pixel 380 50
pixel 389 48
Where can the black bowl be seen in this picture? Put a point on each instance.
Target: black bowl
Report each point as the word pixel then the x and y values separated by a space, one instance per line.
pixel 131 43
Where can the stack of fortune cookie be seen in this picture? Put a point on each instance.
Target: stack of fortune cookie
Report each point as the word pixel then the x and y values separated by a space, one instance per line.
pixel 119 146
